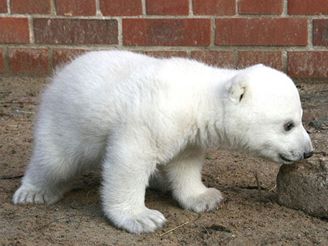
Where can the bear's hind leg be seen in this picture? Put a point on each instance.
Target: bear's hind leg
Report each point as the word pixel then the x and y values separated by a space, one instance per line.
pixel 47 177
pixel 184 174
pixel 159 181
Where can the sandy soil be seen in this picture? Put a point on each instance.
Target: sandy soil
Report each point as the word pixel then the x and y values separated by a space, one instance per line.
pixel 250 214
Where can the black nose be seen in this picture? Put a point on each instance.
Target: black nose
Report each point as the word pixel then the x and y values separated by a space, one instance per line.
pixel 308 154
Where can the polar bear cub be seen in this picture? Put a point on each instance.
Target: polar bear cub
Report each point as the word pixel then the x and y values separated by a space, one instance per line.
pixel 148 120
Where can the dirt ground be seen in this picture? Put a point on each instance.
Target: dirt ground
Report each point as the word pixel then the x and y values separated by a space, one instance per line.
pixel 250 214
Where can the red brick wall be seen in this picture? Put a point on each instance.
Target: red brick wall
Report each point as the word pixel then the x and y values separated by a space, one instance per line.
pixel 290 35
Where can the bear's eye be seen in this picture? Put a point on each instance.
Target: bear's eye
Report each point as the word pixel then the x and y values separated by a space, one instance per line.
pixel 288 126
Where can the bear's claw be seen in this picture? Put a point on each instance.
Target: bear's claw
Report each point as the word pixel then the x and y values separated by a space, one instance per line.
pixel 26 195
pixel 146 221
pixel 207 201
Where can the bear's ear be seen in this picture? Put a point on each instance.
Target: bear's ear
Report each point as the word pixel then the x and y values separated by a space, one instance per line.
pixel 237 90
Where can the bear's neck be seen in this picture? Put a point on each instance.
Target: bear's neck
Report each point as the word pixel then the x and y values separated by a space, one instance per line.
pixel 211 129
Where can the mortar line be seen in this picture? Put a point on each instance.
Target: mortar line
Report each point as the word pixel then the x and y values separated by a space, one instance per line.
pixel 190 9
pixel 310 33
pixel 30 29
pixel 285 8
pixel 325 17
pixel 143 7
pixel 237 8
pixel 213 32
pixel 53 9
pixel 98 10
pixel 120 32
pixel 168 48
pixel 235 56
pixel 284 57
pixel 8 7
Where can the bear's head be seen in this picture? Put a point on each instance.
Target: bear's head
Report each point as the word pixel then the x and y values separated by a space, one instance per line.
pixel 263 114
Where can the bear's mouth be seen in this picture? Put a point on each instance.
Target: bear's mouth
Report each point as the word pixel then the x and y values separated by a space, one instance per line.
pixel 285 159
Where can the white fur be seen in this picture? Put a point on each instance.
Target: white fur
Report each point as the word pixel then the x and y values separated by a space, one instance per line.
pixel 145 118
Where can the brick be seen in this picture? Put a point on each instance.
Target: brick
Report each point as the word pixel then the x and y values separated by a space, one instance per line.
pixel 171 32
pixel 14 30
pixel 260 7
pixel 261 31
pixel 2 61
pixel 311 64
pixel 320 32
pixel 3 6
pixel 121 7
pixel 307 7
pixel 269 58
pixel 30 6
pixel 62 56
pixel 28 61
pixel 214 7
pixel 75 31
pixel 76 7
pixel 166 54
pixel 167 7
pixel 216 58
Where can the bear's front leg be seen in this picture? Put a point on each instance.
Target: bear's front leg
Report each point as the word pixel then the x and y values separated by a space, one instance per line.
pixel 127 167
pixel 184 174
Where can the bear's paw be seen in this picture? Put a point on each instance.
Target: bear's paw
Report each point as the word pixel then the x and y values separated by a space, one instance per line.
pixel 206 201
pixel 148 220
pixel 29 194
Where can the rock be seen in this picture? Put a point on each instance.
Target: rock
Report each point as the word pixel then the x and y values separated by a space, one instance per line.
pixel 304 186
